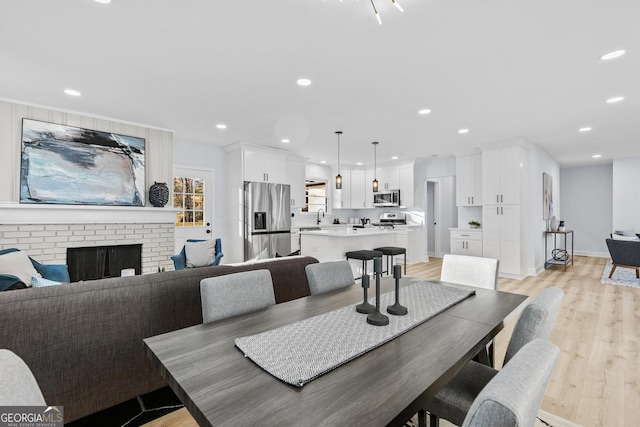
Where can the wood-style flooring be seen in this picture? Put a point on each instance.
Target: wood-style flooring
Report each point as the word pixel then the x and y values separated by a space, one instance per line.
pixel 596 380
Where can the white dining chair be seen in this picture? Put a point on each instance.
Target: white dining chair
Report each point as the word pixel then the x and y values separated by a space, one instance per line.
pixel 234 294
pixel 470 270
pixel 18 386
pixel 328 276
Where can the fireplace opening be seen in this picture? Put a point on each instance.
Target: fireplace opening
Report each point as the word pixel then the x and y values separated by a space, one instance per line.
pixel 99 262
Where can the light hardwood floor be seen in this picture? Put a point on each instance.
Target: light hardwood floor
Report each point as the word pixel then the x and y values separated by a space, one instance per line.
pixel 598 331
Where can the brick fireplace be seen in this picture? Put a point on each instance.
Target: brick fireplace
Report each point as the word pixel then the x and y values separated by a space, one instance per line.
pixel 45 232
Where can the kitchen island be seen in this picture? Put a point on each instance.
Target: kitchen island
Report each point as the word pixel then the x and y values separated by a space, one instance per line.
pixel 332 244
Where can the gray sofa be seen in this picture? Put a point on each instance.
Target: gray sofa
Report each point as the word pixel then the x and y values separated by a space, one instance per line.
pixel 83 341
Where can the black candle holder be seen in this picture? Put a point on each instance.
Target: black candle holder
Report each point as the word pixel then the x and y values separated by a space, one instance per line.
pixel 376 318
pixel 397 309
pixel 365 307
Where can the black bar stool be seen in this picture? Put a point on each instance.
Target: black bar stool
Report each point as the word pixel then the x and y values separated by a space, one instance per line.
pixel 390 252
pixel 364 255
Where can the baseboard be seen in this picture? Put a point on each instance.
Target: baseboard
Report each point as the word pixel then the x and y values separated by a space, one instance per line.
pixel 592 254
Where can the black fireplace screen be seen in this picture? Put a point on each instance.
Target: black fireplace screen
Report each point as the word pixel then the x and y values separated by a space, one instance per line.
pixel 99 262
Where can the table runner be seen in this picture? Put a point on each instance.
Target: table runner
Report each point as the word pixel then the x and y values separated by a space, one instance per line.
pixel 301 352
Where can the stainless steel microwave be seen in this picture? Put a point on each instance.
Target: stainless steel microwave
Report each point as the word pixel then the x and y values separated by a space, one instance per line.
pixel 386 198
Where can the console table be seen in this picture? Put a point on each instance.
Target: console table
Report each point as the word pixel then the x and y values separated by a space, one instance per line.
pixel 560 256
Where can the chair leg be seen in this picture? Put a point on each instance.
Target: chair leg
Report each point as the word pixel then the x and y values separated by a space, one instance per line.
pixel 433 421
pixel 637 273
pixel 613 269
pixel 405 263
pixel 422 418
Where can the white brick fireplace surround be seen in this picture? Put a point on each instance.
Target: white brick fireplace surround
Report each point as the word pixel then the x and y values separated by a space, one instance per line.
pixel 46 231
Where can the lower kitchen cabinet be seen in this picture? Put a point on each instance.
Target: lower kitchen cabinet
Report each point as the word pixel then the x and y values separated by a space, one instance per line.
pixel 466 242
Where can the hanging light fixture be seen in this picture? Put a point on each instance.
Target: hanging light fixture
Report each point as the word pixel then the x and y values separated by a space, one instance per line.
pixel 375 10
pixel 338 177
pixel 375 161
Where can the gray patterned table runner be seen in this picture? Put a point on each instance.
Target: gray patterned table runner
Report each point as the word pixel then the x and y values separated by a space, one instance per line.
pixel 301 352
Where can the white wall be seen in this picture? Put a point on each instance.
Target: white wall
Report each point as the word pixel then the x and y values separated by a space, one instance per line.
pixel 533 246
pixel 208 156
pixel 626 194
pixel 587 208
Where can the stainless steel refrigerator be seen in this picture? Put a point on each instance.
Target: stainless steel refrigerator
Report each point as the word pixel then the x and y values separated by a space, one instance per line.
pixel 267 219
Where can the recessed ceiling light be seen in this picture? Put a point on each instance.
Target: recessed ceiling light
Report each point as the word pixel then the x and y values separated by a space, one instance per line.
pixel 72 92
pixel 221 126
pixel 424 111
pixel 463 131
pixel 323 161
pixel 285 141
pixel 615 99
pixel 597 156
pixel 394 158
pixel 585 129
pixel 614 54
pixel 359 163
pixel 103 1
pixel 304 82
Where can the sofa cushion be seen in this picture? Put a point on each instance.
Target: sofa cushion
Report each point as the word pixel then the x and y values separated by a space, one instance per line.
pixel 40 282
pixel 18 264
pixel 200 254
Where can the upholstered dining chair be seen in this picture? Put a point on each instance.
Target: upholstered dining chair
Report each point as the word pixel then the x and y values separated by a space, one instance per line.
pixel 512 398
pixel 470 270
pixel 18 386
pixel 328 276
pixel 452 402
pixel 234 294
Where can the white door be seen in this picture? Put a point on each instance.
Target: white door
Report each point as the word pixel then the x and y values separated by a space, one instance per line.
pixel 193 195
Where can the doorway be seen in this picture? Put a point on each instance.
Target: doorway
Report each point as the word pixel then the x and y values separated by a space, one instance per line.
pixel 433 213
pixel 193 197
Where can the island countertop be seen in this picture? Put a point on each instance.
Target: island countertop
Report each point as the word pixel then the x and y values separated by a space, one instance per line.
pixel 350 232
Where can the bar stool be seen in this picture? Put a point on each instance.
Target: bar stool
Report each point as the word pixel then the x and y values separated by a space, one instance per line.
pixel 363 255
pixel 390 252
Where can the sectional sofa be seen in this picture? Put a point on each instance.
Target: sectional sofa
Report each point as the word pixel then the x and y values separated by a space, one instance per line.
pixel 83 341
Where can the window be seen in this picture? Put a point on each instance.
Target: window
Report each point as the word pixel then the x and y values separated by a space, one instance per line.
pixel 188 196
pixel 316 192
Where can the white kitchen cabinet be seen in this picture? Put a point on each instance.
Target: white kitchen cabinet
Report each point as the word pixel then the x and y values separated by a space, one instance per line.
pixel 502 174
pixel 358 188
pixel 295 177
pixel 262 166
pixel 406 185
pixel 469 180
pixel 295 239
pixel 341 199
pixel 388 177
pixel 466 242
pixel 501 237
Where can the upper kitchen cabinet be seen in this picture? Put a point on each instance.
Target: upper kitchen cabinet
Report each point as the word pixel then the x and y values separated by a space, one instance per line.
pixel 502 175
pixel 295 177
pixel 469 180
pixel 263 166
pixel 388 177
pixel 359 188
pixel 407 187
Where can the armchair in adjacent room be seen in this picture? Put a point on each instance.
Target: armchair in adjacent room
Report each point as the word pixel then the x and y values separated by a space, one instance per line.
pixel 180 260
pixel 52 272
pixel 624 253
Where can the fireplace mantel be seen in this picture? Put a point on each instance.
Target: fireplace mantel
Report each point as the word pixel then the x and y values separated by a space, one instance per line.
pixel 16 213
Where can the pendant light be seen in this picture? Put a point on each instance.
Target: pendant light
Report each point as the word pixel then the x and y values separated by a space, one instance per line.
pixel 375 181
pixel 338 177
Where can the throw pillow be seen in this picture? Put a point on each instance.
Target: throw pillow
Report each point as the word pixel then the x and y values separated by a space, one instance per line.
pixel 18 264
pixel 633 238
pixel 200 254
pixel 41 282
pixel 630 233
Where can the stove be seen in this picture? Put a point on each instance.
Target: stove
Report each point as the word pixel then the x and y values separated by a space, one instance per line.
pixel 391 219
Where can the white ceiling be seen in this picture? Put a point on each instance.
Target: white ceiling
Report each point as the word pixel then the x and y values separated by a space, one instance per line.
pixel 501 68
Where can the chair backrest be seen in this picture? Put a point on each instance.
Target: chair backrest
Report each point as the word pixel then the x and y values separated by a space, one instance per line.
pixel 18 386
pixel 512 398
pixel 328 276
pixel 535 321
pixel 235 294
pixel 470 270
pixel 180 259
pixel 624 252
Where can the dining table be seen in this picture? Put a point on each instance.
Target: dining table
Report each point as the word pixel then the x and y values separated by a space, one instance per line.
pixel 385 386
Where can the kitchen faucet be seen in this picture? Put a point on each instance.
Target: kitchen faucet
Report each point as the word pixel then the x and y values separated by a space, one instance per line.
pixel 318 216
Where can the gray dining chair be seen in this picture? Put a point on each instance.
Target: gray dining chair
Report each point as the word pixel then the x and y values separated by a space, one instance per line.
pixel 328 276
pixel 452 402
pixel 235 294
pixel 513 397
pixel 18 386
pixel 470 270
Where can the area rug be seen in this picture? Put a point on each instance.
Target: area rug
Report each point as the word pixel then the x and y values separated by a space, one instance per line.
pixel 622 276
pixel 544 419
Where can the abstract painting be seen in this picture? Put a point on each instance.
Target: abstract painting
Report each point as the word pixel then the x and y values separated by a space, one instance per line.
pixel 75 166
pixel 547 196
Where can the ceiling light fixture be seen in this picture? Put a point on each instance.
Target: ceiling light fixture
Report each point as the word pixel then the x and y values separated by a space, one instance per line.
pixel 463 131
pixel 585 129
pixel 395 3
pixel 304 82
pixel 375 10
pixel 424 111
pixel 338 177
pixel 103 1
pixel 72 92
pixel 614 54
pixel 375 158
pixel 615 99
pixel 359 163
pixel 597 156
pixel 323 161
pixel 285 141
pixel 394 158
pixel 221 126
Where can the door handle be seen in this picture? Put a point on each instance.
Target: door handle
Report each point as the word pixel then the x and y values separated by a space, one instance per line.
pixel 501 198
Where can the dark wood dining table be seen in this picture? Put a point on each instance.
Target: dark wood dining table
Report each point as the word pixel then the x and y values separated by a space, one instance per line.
pixel 386 386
